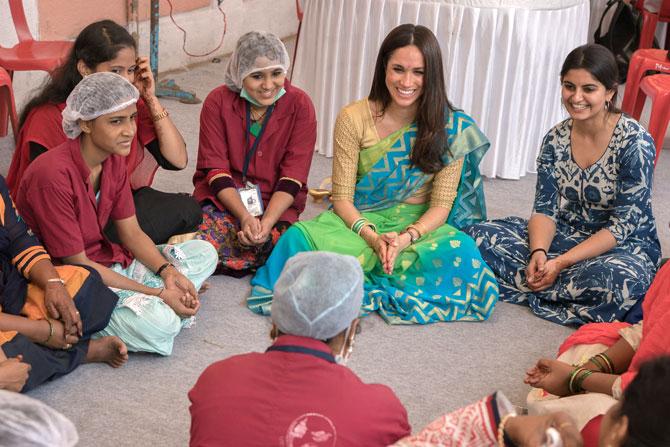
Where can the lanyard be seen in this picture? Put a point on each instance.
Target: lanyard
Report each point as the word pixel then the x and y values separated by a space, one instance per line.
pixel 303 350
pixel 252 151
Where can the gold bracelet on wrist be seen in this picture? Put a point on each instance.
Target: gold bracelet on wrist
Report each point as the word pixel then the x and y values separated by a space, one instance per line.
pixel 501 429
pixel 420 227
pixel 160 116
pixel 51 331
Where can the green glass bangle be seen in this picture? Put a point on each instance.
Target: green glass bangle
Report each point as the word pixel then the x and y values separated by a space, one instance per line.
pixel 580 380
pixel 605 358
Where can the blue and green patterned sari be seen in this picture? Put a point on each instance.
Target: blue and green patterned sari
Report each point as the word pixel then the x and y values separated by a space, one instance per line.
pixel 441 277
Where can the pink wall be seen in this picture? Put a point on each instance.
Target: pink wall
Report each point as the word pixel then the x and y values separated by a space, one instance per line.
pixel 63 19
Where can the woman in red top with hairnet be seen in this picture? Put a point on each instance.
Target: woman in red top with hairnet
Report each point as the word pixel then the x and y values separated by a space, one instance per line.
pixel 257 135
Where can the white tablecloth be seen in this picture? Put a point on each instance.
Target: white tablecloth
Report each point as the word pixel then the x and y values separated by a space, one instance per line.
pixel 501 63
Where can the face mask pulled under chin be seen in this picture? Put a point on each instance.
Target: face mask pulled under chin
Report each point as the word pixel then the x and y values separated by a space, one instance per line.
pixel 245 95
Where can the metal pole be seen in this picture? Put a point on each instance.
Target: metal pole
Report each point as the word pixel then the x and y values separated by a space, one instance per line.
pixel 153 42
pixel 133 16
pixel 166 88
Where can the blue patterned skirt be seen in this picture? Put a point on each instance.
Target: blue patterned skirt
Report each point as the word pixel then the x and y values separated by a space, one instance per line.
pixel 601 289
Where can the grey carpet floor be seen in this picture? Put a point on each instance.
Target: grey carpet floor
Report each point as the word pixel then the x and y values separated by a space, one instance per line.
pixel 433 369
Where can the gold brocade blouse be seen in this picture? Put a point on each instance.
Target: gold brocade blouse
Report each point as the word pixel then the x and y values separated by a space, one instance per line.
pixel 355 130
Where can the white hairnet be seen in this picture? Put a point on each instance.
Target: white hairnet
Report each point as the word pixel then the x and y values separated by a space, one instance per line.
pixel 27 422
pixel 317 295
pixel 255 51
pixel 95 95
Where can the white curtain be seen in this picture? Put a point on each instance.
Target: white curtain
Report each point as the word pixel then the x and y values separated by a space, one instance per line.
pixel 501 64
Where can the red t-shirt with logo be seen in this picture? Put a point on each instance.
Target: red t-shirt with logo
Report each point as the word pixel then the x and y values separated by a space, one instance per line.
pixel 292 399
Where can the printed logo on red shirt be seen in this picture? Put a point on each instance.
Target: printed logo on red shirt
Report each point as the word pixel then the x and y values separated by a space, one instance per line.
pixel 311 430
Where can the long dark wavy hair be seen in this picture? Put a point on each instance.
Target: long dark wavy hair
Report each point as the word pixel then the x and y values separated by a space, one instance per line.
pixel 600 63
pixel 97 43
pixel 431 142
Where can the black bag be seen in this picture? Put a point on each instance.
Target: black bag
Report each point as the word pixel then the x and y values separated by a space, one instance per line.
pixel 623 35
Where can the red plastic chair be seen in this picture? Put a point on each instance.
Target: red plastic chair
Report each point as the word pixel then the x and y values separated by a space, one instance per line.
pixel 31 54
pixel 641 62
pixel 657 87
pixel 7 104
pixel 299 14
pixel 650 21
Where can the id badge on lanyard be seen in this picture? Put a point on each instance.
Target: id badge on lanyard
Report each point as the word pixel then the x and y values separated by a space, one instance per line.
pixel 250 193
pixel 251 199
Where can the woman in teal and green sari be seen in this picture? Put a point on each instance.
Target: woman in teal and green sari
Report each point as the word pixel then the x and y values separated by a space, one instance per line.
pixel 405 163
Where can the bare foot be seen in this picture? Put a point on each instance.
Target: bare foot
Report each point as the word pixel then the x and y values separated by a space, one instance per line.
pixel 109 349
pixel 203 288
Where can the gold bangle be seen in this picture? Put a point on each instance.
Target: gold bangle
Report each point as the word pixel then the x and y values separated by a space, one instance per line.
pixel 501 429
pixel 160 116
pixel 421 228
pixel 51 331
pixel 415 228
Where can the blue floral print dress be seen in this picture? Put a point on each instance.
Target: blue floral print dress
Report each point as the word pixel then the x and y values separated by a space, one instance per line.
pixel 614 193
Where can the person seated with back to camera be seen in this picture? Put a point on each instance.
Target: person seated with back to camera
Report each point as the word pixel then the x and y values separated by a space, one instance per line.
pixel 25 421
pixel 300 390
pixel 69 194
pixel 257 135
pixel 106 46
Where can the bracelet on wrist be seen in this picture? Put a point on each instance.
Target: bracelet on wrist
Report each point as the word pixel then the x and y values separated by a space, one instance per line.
pixel 577 378
pixel 55 281
pixel 160 292
pixel 603 362
pixel 579 381
pixel 412 237
pixel 538 250
pixel 51 331
pixel 420 228
pixel 360 223
pixel 162 268
pixel 372 226
pixel 501 429
pixel 160 116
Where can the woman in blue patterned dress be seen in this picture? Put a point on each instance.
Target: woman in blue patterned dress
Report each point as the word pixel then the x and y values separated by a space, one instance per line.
pixel 590 250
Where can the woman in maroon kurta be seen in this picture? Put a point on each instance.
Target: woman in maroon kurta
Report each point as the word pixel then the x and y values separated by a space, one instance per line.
pixel 257 117
pixel 107 46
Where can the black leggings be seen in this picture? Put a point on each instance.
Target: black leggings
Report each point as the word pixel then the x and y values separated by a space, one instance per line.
pixel 161 215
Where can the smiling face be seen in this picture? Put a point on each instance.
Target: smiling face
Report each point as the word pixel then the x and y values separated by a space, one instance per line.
pixel 113 133
pixel 584 97
pixel 404 76
pixel 264 84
